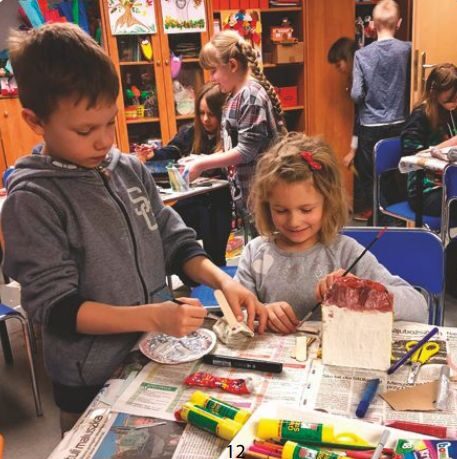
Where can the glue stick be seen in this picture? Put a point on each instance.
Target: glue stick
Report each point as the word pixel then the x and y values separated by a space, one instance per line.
pixel 197 416
pixel 298 431
pixel 219 407
pixel 292 450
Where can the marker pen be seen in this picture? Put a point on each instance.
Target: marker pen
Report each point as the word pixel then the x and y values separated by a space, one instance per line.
pixel 238 362
pixel 427 429
pixel 368 395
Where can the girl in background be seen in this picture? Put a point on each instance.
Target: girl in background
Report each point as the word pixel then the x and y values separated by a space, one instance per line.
pixel 433 122
pixel 299 207
pixel 252 118
pixel 209 214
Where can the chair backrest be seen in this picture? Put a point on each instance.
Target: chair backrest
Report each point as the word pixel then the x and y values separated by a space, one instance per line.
pixel 387 154
pixel 206 294
pixel 414 254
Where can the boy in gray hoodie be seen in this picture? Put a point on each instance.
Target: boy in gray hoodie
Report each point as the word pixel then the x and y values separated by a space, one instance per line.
pixel 86 233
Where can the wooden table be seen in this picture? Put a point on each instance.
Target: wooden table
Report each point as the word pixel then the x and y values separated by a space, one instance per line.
pixel 170 197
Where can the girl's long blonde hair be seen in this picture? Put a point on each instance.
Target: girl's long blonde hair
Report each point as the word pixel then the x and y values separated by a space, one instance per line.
pixel 442 78
pixel 228 45
pixel 284 162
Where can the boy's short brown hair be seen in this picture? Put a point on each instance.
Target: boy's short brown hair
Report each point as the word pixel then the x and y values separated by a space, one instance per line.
pixel 386 15
pixel 57 61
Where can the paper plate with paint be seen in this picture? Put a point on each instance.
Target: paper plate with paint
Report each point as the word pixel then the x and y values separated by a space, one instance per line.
pixel 163 348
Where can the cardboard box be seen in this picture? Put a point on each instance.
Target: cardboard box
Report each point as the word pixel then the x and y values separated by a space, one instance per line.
pixel 283 54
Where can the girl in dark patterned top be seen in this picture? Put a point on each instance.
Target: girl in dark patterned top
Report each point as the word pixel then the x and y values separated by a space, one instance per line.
pixel 433 122
pixel 252 119
pixel 209 214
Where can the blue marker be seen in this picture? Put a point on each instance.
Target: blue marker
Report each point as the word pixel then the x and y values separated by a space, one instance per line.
pixel 367 396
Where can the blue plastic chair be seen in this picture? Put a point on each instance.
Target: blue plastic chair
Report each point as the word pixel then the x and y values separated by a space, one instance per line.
pixel 387 154
pixel 206 294
pixel 414 254
pixel 7 313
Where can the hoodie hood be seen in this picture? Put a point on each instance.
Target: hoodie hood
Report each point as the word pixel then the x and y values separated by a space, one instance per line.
pixel 39 165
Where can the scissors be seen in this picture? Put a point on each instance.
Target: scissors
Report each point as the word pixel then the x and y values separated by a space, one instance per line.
pixel 421 356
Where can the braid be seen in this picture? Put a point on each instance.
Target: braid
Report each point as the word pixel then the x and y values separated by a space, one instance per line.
pixel 249 53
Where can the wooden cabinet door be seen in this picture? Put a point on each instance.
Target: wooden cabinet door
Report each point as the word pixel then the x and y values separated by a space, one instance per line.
pixel 433 40
pixel 16 137
pixel 137 130
pixel 191 74
pixel 328 106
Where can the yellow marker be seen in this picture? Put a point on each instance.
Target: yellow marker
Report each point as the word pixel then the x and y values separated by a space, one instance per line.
pixel 197 416
pixel 219 407
pixel 298 431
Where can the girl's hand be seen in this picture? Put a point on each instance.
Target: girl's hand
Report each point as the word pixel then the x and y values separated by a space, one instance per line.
pixel 323 286
pixel 176 319
pixel 281 317
pixel 237 297
pixel 195 169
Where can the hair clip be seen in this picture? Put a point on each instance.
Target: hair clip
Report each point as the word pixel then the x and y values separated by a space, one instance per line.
pixel 308 157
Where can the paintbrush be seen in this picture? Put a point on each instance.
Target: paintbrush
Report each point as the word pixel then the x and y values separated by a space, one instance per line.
pixel 365 250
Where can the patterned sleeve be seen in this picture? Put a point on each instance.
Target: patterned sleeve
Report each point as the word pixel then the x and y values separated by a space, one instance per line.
pixel 415 134
pixel 252 124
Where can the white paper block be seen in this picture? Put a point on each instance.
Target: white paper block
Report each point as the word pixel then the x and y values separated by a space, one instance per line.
pixel 359 339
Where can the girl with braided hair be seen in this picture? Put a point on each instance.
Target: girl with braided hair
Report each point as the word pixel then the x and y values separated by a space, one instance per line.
pixel 252 119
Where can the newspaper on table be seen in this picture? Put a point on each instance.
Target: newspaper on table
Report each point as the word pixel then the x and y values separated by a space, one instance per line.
pixel 155 392
pixel 160 390
pixel 425 160
pixel 338 390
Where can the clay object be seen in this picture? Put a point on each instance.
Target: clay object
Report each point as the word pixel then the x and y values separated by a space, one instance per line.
pixel 231 332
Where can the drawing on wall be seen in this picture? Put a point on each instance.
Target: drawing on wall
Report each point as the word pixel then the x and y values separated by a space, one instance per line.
pixel 132 17
pixel 247 24
pixel 183 16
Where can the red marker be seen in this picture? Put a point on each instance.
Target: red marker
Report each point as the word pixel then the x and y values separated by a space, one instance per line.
pixel 427 429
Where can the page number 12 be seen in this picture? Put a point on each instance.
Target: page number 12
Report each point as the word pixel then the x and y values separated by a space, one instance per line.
pixel 233 451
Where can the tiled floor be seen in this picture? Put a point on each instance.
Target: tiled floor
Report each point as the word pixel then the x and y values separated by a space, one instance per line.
pixel 30 437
